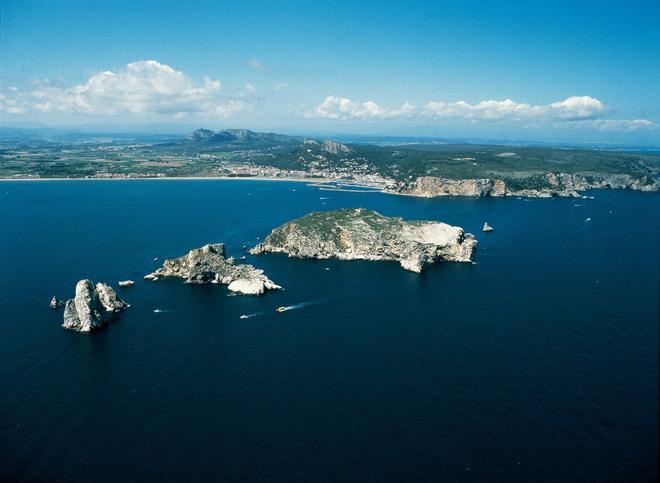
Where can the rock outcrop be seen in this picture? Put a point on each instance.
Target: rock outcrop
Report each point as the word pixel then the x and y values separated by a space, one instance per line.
pixel 360 234
pixel 431 186
pixel 535 186
pixel 208 264
pixel 54 303
pixel 92 307
pixel 333 147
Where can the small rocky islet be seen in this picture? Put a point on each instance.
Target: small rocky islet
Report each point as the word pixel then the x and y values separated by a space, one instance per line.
pixel 209 264
pixel 92 307
pixel 360 234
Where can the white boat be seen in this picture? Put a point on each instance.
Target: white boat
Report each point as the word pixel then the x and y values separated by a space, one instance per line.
pixel 243 317
pixel 126 283
pixel 487 227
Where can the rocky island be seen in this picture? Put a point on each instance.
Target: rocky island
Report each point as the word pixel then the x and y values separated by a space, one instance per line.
pixel 360 234
pixel 208 264
pixel 92 306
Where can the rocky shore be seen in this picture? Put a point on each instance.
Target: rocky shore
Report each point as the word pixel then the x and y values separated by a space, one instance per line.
pixel 546 186
pixel 92 306
pixel 360 234
pixel 208 264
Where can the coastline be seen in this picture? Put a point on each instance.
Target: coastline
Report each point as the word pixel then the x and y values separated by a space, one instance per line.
pixel 184 178
pixel 323 185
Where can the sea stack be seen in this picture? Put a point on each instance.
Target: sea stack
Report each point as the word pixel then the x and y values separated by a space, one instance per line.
pixel 92 307
pixel 54 303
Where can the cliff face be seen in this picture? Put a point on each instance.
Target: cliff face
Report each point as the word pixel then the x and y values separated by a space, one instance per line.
pixel 92 307
pixel 209 265
pixel 548 185
pixel 430 186
pixel 359 234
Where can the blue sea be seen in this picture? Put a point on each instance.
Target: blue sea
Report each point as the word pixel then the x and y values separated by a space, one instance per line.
pixel 537 363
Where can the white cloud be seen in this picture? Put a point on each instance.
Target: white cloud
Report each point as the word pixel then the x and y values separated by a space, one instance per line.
pixel 14 104
pixel 575 111
pixel 250 87
pixel 280 85
pixel 143 87
pixel 610 125
pixel 342 108
pixel 572 108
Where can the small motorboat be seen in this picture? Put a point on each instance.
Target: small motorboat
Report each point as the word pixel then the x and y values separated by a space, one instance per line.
pixel 243 317
pixel 281 309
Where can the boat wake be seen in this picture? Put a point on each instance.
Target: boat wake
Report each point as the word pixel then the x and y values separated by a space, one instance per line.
pixel 285 308
pixel 297 306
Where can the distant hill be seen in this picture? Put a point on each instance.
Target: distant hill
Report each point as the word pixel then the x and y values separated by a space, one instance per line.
pixel 231 139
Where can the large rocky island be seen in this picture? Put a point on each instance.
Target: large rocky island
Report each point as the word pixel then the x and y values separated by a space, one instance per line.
pixel 92 306
pixel 208 264
pixel 360 234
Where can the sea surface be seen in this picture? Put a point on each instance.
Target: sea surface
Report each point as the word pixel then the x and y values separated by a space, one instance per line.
pixel 537 363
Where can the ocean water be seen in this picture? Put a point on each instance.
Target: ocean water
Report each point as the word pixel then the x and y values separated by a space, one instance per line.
pixel 539 362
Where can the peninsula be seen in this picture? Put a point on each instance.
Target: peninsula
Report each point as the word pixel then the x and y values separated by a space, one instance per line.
pixel 419 168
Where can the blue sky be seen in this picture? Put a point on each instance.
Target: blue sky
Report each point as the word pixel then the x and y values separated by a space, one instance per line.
pixel 573 71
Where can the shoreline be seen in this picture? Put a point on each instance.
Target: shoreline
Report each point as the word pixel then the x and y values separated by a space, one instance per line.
pixel 185 178
pixel 321 183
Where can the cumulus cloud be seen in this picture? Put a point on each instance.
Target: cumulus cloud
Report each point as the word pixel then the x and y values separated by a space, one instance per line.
pixel 574 111
pixel 608 125
pixel 13 104
pixel 280 85
pixel 143 87
pixel 342 108
pixel 571 108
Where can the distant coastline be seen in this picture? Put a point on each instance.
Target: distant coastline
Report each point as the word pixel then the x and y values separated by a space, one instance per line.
pixel 184 178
